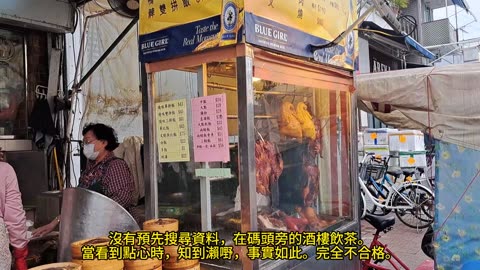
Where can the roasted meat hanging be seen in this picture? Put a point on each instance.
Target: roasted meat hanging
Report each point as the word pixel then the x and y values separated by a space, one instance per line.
pixel 269 165
pixel 314 147
pixel 311 189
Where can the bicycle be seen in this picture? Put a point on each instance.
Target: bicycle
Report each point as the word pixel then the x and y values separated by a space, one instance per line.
pixel 380 189
pixel 409 199
pixel 382 224
pixel 426 173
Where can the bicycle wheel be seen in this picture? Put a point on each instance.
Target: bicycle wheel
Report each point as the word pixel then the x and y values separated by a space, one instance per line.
pixel 421 214
pixel 381 193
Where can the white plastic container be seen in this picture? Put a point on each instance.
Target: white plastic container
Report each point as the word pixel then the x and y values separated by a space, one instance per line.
pixel 379 150
pixel 376 136
pixel 406 141
pixel 413 159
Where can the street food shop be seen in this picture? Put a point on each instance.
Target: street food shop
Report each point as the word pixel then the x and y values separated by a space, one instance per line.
pixel 250 116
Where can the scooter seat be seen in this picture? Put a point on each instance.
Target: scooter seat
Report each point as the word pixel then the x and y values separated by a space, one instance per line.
pixel 380 223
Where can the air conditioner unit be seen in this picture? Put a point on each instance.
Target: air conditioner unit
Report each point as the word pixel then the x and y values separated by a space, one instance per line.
pixel 45 15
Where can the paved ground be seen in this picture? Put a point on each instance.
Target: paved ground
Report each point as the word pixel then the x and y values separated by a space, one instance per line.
pixel 404 241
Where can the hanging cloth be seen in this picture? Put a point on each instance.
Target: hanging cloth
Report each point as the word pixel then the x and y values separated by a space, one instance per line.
pixel 41 122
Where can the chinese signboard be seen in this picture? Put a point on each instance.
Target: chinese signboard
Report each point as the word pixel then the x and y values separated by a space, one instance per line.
pixel 172 131
pixel 210 129
pixel 170 28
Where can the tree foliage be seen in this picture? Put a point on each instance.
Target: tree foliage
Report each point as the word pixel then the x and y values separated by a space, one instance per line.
pixel 400 3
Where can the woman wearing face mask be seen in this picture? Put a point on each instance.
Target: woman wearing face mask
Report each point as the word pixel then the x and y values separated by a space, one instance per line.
pixel 104 173
pixel 13 227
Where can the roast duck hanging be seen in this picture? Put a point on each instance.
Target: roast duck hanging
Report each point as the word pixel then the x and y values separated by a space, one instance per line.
pixel 288 122
pixel 298 124
pixel 306 120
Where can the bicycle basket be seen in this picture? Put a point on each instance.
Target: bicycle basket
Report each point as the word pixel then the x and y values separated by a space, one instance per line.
pixel 376 171
pixel 362 171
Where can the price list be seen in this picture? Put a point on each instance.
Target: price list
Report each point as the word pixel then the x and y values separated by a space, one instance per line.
pixel 210 129
pixel 172 131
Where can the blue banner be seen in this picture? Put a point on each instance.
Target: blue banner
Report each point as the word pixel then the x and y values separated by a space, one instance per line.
pixel 272 35
pixel 179 40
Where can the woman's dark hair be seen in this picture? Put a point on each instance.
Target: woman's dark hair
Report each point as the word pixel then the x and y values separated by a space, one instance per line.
pixel 104 133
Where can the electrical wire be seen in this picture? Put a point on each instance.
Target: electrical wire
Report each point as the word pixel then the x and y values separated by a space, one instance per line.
pixel 75 19
pixel 414 22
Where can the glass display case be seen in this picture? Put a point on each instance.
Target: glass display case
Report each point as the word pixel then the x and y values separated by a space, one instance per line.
pixel 12 84
pixel 244 140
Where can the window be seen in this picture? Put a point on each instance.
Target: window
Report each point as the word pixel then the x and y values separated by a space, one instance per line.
pixel 301 133
pixel 427 14
pixel 13 119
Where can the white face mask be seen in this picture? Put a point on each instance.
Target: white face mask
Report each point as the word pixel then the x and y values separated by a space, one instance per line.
pixel 89 151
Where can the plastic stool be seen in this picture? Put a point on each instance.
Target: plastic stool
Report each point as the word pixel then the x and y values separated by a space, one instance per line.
pixel 471 265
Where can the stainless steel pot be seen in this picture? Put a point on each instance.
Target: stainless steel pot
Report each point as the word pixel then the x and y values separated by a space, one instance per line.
pixel 87 214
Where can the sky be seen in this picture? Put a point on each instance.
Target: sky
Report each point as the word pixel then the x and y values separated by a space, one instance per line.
pixel 464 19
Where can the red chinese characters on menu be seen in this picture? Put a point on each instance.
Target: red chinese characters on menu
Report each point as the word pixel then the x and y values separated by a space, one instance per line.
pixel 210 129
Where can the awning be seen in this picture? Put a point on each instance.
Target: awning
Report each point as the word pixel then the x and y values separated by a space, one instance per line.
pixel 441 100
pixel 394 36
pixel 461 3
pixel 417 46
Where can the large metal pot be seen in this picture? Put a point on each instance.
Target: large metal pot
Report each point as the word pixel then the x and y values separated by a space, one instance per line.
pixel 88 214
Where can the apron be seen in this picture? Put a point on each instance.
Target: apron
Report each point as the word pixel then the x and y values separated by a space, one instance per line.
pixel 97 184
pixel 5 255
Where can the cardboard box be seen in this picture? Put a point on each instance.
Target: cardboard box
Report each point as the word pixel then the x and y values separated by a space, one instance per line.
pixel 406 141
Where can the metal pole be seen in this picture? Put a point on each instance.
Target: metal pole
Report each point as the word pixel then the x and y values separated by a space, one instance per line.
pixel 353 158
pixel 446 8
pixel 447 54
pixel 420 20
pixel 149 156
pixel 349 29
pixel 107 52
pixel 456 22
pixel 205 190
pixel 454 43
pixel 246 148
